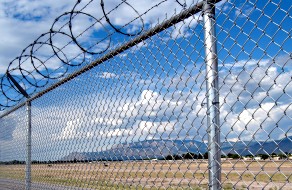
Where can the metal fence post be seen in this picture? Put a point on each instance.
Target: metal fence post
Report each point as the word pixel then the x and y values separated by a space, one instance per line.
pixel 28 149
pixel 213 123
pixel 28 137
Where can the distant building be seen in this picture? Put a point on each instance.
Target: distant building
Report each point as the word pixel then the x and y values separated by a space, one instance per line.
pixel 247 158
pixel 276 158
pixel 226 159
pixel 257 158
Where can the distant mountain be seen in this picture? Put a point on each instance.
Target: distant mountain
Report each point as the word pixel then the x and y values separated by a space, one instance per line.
pixel 150 149
pixel 269 147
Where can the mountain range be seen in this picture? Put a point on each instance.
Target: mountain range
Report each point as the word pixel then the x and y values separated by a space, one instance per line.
pixel 158 149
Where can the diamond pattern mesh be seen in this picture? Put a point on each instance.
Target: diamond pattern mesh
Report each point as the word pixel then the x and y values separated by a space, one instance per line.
pixel 127 109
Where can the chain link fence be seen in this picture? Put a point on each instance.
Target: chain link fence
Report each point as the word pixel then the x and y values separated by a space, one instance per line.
pixel 152 95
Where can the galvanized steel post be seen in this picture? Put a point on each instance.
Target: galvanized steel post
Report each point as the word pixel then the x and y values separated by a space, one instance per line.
pixel 213 122
pixel 28 148
pixel 28 137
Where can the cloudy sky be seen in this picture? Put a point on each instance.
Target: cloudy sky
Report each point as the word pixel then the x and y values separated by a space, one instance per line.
pixel 155 90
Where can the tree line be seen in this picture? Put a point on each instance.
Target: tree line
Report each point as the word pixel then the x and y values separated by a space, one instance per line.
pixel 186 156
pixel 191 155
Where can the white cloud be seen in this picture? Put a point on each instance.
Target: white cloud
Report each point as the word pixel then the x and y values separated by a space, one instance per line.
pixel 247 63
pixel 256 97
pixel 107 75
pixel 244 11
pixel 13 136
pixel 100 120
pixel 70 131
pixel 21 22
pixel 182 29
pixel 117 133
pixel 167 109
pixel 150 128
pixel 19 27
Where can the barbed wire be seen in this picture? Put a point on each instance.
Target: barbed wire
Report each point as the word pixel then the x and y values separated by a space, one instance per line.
pixel 141 113
pixel 33 70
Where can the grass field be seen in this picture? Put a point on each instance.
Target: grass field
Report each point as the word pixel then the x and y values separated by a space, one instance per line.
pixel 157 174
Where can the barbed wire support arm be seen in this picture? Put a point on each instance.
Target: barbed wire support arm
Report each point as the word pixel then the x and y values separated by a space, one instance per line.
pixel 212 94
pixel 28 137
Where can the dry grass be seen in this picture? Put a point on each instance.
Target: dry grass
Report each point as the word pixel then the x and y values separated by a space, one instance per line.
pixel 152 175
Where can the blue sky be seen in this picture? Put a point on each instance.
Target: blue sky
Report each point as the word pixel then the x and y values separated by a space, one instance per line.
pixel 155 90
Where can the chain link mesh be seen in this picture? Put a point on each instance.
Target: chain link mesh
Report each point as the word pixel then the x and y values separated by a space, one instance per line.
pixel 13 149
pixel 255 93
pixel 137 118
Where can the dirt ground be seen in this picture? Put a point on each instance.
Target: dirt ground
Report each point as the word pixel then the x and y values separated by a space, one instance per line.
pixel 236 174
